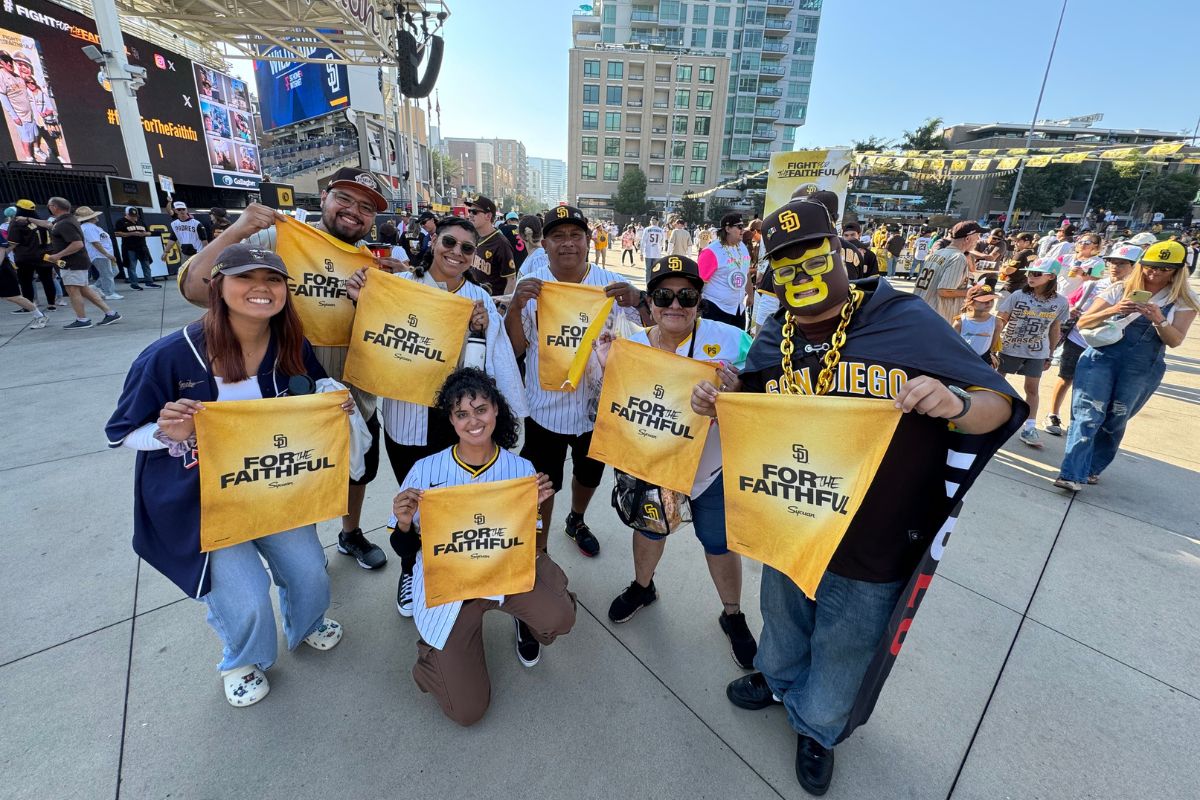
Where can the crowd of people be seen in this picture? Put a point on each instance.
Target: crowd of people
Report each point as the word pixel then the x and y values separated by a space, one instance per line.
pixel 788 304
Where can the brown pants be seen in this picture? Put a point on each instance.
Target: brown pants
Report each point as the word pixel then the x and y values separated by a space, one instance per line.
pixel 457 675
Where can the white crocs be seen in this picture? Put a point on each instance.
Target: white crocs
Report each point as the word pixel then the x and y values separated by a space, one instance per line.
pixel 326 636
pixel 245 686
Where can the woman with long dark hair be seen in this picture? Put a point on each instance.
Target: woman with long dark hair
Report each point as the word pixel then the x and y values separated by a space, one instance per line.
pixel 725 268
pixel 249 345
pixel 413 431
pixel 450 657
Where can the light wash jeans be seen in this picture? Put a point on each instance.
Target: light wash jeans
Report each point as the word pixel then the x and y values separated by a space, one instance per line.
pixel 239 604
pixel 105 272
pixel 891 266
pixel 1111 385
pixel 814 654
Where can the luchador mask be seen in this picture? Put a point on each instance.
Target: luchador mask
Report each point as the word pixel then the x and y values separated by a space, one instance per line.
pixel 810 277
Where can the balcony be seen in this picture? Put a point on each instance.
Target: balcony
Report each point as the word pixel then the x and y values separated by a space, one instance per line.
pixel 774 49
pixel 764 135
pixel 662 78
pixel 766 113
pixel 634 103
pixel 769 91
pixel 633 129
pixel 657 156
pixel 760 155
pixel 662 105
pixel 777 26
pixel 640 77
pixel 770 69
pixel 633 155
pixel 781 3
pixel 646 16
pixel 658 131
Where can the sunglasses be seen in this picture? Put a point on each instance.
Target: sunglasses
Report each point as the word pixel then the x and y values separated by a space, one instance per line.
pixel 449 242
pixel 1148 268
pixel 1033 274
pixel 818 265
pixel 688 298
pixel 736 225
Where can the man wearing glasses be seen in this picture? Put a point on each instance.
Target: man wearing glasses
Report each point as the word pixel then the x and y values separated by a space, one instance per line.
pixel 348 207
pixel 495 267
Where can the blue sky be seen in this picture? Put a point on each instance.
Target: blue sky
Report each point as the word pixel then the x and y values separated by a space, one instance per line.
pixel 881 67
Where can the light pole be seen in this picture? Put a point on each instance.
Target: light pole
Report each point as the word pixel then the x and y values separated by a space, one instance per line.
pixel 1012 201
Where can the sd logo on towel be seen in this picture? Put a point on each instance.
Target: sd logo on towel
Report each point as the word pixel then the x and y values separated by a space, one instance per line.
pixel 789 498
pixel 479 540
pixel 271 465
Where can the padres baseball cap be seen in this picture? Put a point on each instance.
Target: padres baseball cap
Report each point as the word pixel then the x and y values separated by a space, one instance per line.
pixel 26 204
pixel 179 205
pixel 563 215
pixel 353 177
pixel 239 258
pixel 484 204
pixel 674 267
pixel 962 230
pixel 798 221
pixel 1165 255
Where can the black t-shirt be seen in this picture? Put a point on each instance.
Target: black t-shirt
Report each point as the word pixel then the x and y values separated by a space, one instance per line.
pixel 903 508
pixel 494 263
pixel 518 247
pixel 28 239
pixel 131 244
pixel 66 230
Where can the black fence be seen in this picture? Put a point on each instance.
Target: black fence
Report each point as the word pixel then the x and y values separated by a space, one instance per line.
pixel 83 184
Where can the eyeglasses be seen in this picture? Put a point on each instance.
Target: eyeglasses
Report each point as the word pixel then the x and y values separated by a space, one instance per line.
pixel 449 242
pixel 346 201
pixel 817 265
pixel 663 297
pixel 736 225
pixel 1148 268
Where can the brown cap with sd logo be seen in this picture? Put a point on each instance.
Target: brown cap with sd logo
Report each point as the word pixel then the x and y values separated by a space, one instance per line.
pixel 798 221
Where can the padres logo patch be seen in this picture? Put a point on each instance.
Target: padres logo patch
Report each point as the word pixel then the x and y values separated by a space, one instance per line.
pixel 674 264
pixel 711 350
pixel 789 221
pixel 562 212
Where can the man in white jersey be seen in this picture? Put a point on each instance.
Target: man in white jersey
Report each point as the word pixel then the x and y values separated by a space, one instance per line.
pixel 652 240
pixel 558 420
pixel 187 230
pixel 348 208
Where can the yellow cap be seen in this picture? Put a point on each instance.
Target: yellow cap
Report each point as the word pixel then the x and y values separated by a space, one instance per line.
pixel 1165 254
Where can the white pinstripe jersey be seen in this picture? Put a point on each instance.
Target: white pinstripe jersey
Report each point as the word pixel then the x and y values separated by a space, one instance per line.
pixel 408 423
pixel 561 412
pixel 445 469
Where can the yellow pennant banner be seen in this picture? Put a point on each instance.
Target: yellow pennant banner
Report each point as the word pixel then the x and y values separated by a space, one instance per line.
pixel 959 165
pixel 271 465
pixel 1073 158
pixel 1038 161
pixel 569 318
pixel 407 338
pixel 1165 149
pixel 981 165
pixel 319 265
pixel 479 540
pixel 799 472
pixel 1008 163
pixel 645 424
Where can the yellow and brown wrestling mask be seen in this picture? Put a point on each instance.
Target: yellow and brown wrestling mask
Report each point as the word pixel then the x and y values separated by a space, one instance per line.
pixel 807 268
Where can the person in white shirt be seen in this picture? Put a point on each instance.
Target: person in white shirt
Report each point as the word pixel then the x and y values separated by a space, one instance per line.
pixel 652 240
pixel 100 251
pixel 187 230
pixel 724 266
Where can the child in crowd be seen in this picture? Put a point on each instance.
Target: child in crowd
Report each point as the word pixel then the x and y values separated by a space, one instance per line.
pixel 978 327
pixel 1031 320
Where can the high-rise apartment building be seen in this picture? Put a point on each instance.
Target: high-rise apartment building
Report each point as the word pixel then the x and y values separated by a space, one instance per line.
pixel 763 50
pixel 510 155
pixel 492 167
pixel 547 180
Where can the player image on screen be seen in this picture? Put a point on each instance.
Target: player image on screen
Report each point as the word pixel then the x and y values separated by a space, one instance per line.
pixel 247 159
pixel 239 94
pixel 220 154
pixel 216 120
pixel 208 83
pixel 28 102
pixel 243 126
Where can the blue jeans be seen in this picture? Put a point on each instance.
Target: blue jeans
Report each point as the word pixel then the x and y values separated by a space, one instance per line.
pixel 891 266
pixel 105 272
pixel 814 654
pixel 708 519
pixel 1111 385
pixel 132 260
pixel 239 604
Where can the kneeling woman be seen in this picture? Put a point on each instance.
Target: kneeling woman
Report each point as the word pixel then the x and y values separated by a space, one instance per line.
pixel 450 659
pixel 248 346
pixel 674 291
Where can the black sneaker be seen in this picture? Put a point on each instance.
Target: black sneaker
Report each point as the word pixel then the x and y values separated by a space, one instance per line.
pixel 751 692
pixel 78 325
pixel 110 318
pixel 135 287
pixel 404 595
pixel 741 641
pixel 21 311
pixel 152 285
pixel 581 534
pixel 814 765
pixel 529 650
pixel 353 543
pixel 630 601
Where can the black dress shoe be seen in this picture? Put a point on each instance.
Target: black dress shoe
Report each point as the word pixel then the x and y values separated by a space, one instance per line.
pixel 751 692
pixel 814 765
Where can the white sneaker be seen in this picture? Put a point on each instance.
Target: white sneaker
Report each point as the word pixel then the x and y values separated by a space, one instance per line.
pixel 1031 437
pixel 245 686
pixel 39 322
pixel 114 296
pixel 1070 486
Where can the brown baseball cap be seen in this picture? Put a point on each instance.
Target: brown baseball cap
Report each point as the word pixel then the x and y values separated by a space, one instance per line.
pixel 798 221
pixel 962 230
pixel 361 179
pixel 485 204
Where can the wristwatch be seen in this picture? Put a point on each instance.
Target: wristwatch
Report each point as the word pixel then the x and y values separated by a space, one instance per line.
pixel 965 396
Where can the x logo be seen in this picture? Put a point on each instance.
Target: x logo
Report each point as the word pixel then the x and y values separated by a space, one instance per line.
pixel 187 100
pixel 171 65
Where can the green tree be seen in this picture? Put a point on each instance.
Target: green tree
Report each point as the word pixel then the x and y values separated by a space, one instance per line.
pixel 1171 193
pixel 1043 189
pixel 630 198
pixel 933 197
pixel 717 208
pixel 871 143
pixel 443 164
pixel 927 136
pixel 691 210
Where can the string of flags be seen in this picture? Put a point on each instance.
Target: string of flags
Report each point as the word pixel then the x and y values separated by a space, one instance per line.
pixel 988 162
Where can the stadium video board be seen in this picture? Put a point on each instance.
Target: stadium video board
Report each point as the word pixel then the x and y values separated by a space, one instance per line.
pixel 58 105
pixel 290 92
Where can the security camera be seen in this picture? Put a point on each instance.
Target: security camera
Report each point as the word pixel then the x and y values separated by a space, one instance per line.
pixel 136 72
pixel 94 53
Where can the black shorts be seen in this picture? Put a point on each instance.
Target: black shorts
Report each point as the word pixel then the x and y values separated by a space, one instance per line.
pixel 547 451
pixel 1069 358
pixel 439 434
pixel 9 285
pixel 371 459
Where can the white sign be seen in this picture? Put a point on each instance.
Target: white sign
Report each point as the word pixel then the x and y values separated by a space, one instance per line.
pixel 166 184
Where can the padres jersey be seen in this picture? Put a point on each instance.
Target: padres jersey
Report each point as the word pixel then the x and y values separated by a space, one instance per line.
pixel 408 423
pixel 432 472
pixel 562 412
pixel 494 262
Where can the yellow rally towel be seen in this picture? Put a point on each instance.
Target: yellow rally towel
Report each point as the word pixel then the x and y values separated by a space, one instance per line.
pixel 569 317
pixel 479 540
pixel 271 465
pixel 645 424
pixel 407 338
pixel 318 265
pixel 798 474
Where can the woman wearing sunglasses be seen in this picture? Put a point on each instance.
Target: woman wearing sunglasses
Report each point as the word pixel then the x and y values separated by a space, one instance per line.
pixel 1152 310
pixel 413 431
pixel 674 292
pixel 725 268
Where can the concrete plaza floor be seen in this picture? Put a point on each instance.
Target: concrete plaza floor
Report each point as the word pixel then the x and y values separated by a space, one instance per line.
pixel 1055 656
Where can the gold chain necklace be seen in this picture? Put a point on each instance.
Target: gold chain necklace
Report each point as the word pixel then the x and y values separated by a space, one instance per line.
pixel 787 382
